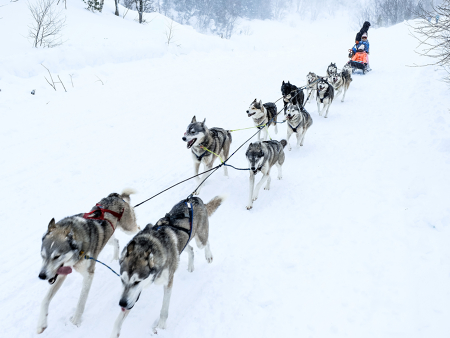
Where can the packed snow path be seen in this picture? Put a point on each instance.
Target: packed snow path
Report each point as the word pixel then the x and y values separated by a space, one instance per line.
pixel 353 242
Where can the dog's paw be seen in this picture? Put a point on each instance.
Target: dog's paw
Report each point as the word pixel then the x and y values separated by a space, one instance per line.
pixel 41 328
pixel 266 188
pixel 280 177
pixel 209 258
pixel 249 207
pixel 75 320
pixel 255 198
pixel 161 324
pixel 191 268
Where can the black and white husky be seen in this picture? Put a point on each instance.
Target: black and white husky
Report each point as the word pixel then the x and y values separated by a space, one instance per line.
pixel 292 94
pixel 341 83
pixel 262 156
pixel 298 121
pixel 311 81
pixel 153 255
pixel 263 114
pixel 203 142
pixel 325 96
pixel 332 69
pixel 67 242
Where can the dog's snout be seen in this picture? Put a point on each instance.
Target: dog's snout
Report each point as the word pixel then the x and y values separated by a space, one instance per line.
pixel 184 138
pixel 42 275
pixel 123 303
pixel 247 111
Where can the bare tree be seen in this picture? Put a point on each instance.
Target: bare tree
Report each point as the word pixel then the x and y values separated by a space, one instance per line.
pixel 433 34
pixel 169 32
pixel 143 6
pixel 45 31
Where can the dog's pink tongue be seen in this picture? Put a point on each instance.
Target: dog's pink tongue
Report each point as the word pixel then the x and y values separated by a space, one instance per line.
pixel 64 270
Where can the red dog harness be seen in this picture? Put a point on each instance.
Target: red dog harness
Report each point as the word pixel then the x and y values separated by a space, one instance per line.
pixel 89 215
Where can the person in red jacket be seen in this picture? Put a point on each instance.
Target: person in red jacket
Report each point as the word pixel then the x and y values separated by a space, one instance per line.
pixel 361 55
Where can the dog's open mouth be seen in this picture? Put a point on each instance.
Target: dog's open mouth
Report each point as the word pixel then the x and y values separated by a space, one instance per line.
pixel 52 280
pixel 250 114
pixel 191 143
pixel 62 270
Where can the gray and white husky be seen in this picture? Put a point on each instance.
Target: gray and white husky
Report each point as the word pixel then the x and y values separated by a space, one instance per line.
pixel 325 96
pixel 341 83
pixel 298 121
pixel 203 142
pixel 262 114
pixel 311 81
pixel 262 156
pixel 68 241
pixel 153 255
pixel 332 69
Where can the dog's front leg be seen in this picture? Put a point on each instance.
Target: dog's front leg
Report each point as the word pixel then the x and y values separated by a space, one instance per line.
pixel 42 321
pixel 259 185
pixel 345 92
pixel 115 243
pixel 204 176
pixel 318 107
pixel 87 282
pixel 165 306
pixel 299 136
pixel 190 251
pixel 118 323
pixel 328 107
pixel 252 186
pixel 289 133
pixel 196 170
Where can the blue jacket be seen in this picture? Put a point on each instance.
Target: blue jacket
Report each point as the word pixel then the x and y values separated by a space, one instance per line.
pixel 366 46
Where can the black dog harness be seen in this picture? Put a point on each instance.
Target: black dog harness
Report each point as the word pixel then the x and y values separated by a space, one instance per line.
pixel 169 220
pixel 295 129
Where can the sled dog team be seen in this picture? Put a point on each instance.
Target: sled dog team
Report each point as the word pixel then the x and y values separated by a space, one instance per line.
pixel 153 254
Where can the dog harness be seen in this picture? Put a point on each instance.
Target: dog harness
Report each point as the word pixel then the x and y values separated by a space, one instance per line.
pixel 169 220
pixel 295 129
pixel 324 96
pixel 90 215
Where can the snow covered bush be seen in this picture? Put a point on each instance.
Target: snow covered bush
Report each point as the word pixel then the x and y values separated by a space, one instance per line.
pixel 45 31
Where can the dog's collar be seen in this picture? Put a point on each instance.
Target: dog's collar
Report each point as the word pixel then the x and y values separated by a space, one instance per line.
pixel 89 215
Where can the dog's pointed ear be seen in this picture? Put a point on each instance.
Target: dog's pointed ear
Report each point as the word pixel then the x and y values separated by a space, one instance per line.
pixel 283 82
pixel 151 261
pixel 194 119
pixel 130 247
pixel 254 101
pixel 203 123
pixel 51 225
pixel 289 82
pixel 261 105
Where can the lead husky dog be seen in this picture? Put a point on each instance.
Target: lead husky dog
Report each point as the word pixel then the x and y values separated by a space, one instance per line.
pixel 263 114
pixel 262 156
pixel 291 94
pixel 332 69
pixel 325 95
pixel 298 121
pixel 200 139
pixel 67 243
pixel 341 83
pixel 311 81
pixel 152 256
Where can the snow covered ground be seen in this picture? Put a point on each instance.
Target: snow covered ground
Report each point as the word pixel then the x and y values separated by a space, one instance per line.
pixel 353 242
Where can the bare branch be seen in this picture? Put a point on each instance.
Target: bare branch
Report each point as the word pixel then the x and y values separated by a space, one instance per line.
pixel 62 83
pixel 99 80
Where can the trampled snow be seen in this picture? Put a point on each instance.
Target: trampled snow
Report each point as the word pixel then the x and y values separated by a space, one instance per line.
pixel 352 242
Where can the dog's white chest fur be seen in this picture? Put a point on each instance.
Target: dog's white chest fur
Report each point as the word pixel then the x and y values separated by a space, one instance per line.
pixel 163 279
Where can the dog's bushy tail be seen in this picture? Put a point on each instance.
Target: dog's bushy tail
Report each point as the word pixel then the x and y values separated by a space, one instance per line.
pixel 214 204
pixel 126 194
pixel 283 142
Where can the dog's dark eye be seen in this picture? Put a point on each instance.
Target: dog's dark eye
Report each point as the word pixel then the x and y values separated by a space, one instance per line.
pixel 56 257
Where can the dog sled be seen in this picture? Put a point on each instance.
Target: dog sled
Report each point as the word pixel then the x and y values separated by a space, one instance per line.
pixel 359 67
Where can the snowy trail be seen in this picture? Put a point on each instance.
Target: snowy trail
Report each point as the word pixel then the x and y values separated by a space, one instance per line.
pixel 353 242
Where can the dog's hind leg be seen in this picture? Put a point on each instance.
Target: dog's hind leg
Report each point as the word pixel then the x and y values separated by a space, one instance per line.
pixel 190 251
pixel 208 253
pixel 280 171
pixel 345 91
pixel 118 323
pixel 303 136
pixel 88 276
pixel 115 243
pixel 42 321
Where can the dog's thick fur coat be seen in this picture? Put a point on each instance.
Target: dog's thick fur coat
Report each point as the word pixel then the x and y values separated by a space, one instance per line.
pixel 153 255
pixel 325 95
pixel 263 114
pixel 66 243
pixel 292 94
pixel 262 156
pixel 298 122
pixel 199 138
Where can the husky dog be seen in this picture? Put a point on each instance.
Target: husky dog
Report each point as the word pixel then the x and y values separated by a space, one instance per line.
pixel 332 69
pixel 262 114
pixel 325 95
pixel 298 121
pixel 291 94
pixel 262 156
pixel 200 139
pixel 311 81
pixel 152 256
pixel 341 83
pixel 68 242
